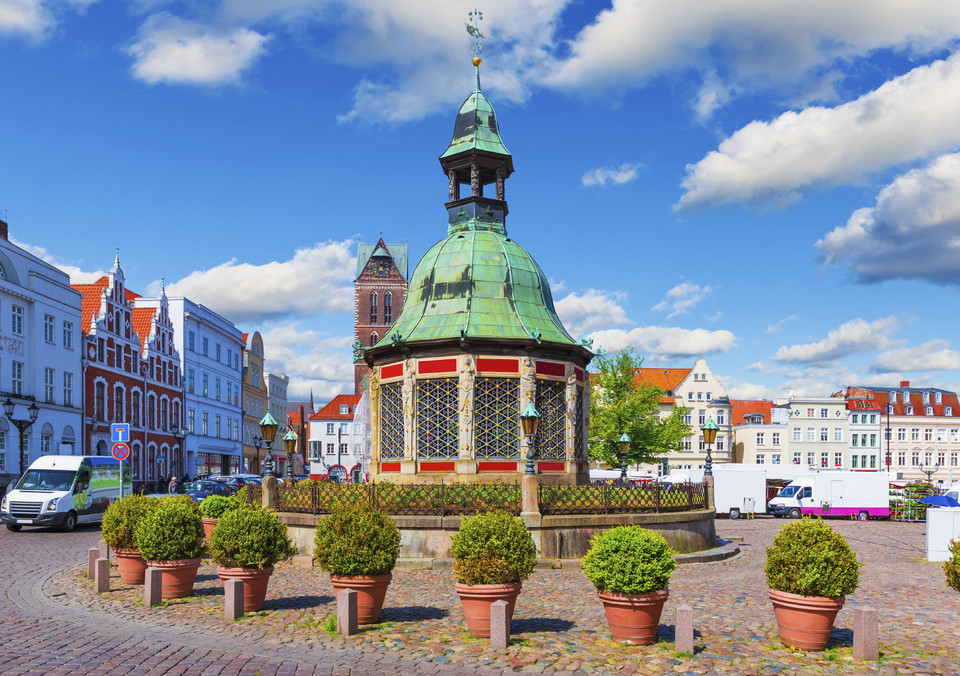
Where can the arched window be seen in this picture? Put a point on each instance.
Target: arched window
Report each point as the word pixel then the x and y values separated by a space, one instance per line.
pixel 151 462
pixel 135 409
pixel 151 411
pixel 135 456
pixel 387 307
pixel 374 338
pixel 373 307
pixel 164 406
pixel 118 397
pixel 46 438
pixel 100 401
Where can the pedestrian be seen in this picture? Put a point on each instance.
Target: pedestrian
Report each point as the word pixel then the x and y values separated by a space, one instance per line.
pixel 174 485
pixel 186 478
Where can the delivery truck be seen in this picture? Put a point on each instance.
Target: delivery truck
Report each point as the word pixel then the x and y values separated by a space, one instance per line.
pixel 738 490
pixel 842 493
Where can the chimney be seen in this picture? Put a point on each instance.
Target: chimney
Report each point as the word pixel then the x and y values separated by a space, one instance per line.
pixel 3 229
pixel 904 383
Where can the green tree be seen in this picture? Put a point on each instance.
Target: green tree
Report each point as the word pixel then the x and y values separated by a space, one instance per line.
pixel 620 402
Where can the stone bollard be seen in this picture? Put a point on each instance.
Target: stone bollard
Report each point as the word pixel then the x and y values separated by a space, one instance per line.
pixel 103 549
pixel 499 625
pixel 102 575
pixel 269 492
pixel 866 635
pixel 683 630
pixel 233 599
pixel 92 555
pixel 152 587
pixel 347 612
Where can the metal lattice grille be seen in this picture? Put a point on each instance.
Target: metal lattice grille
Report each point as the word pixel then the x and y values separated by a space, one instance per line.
pixel 498 418
pixel 580 444
pixel 551 406
pixel 646 498
pixel 391 421
pixel 437 423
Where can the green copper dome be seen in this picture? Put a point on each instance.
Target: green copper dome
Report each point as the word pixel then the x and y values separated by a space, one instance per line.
pixel 477 284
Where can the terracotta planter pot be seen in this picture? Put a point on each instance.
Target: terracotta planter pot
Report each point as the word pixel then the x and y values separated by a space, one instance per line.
pixel 371 590
pixel 804 621
pixel 634 618
pixel 477 599
pixel 208 525
pixel 176 577
pixel 132 567
pixel 254 584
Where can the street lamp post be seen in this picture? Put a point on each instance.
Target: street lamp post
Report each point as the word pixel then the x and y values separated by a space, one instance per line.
pixel 709 430
pixel 258 444
pixel 623 445
pixel 289 444
pixel 180 436
pixel 22 426
pixel 930 472
pixel 529 421
pixel 889 455
pixel 268 432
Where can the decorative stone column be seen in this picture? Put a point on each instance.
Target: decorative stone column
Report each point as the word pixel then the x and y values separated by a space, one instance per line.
pixel 570 417
pixel 466 463
pixel 409 463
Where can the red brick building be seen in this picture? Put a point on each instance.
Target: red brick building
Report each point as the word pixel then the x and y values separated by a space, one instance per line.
pixel 380 288
pixel 131 374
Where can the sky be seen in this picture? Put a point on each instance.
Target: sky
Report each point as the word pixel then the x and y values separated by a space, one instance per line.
pixel 772 186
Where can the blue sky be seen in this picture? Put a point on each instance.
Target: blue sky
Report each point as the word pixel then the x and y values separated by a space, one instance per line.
pixel 773 186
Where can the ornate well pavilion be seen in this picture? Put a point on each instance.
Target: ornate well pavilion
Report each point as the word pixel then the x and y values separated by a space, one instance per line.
pixel 477 340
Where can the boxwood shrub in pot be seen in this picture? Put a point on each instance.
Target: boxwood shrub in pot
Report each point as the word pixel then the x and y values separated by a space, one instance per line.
pixel 170 537
pixel 246 543
pixel 951 567
pixel 631 566
pixel 492 554
pixel 118 531
pixel 810 570
pixel 358 545
pixel 212 508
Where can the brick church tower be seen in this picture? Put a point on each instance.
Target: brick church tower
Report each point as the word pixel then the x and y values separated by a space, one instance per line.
pixel 379 291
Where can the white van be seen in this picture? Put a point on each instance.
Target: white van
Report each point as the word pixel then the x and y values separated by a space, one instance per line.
pixel 63 490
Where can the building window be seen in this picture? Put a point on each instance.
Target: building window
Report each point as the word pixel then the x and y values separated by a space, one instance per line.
pixel 48 328
pixel 151 412
pixel 854 439
pixel 217 351
pixel 204 423
pixel 17 377
pixel 759 438
pixel 99 401
pixel 941 434
pixel 191 341
pixel 760 458
pixel 775 459
pixel 901 434
pixel 947 410
pixel 16 319
pixel 164 408
pixel 719 443
pixel 191 419
pixel 190 380
pixel 873 441
pixel 216 426
pixel 796 457
pixel 824 413
pixel 67 389
pixel 928 434
pixel 902 458
pixel 776 439
pixel 915 434
pixel 344 409
pixel 824 459
pixel 216 389
pixel 811 458
pixel 909 409
pixel 68 335
pixel 824 434
pixel 915 458
pixel 838 434
pixel 373 307
pixel 343 428
pixel 854 461
pixel 954 434
pixel 330 449
pixel 330 428
pixel 810 412
pixel 118 404
pixel 929 410
pixel 49 378
pixel 135 408
pixel 690 395
pixel 702 417
pixel 205 342
pixel 387 307
pixel 206 384
pixel 721 417
pixel 838 459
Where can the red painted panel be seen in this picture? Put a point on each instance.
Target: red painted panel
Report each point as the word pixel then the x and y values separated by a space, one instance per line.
pixel 579 466
pixel 437 466
pixel 501 466
pixel 551 466
pixel 499 365
pixel 389 466
pixel 546 368
pixel 579 373
pixel 392 371
pixel 437 366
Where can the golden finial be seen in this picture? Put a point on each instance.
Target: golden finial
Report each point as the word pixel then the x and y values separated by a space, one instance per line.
pixel 477 61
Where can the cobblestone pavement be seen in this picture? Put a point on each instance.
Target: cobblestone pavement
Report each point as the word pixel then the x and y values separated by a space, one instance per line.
pixel 59 624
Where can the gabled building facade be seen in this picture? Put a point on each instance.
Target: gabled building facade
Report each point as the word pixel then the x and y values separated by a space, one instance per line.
pixel 132 374
pixel 380 288
pixel 255 404
pixel 335 444
pixel 819 431
pixel 40 357
pixel 759 432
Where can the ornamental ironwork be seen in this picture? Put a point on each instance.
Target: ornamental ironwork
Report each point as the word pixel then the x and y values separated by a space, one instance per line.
pixel 437 422
pixel 551 404
pixel 497 426
pixel 615 499
pixel 391 421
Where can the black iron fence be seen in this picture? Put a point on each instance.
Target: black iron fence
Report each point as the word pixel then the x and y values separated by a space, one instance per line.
pixel 616 499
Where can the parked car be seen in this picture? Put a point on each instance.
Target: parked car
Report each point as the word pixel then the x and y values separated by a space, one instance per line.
pixel 198 490
pixel 232 482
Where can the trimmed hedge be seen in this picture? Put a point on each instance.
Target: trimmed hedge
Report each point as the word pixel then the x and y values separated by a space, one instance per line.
pixel 809 558
pixel 356 539
pixel 493 548
pixel 629 560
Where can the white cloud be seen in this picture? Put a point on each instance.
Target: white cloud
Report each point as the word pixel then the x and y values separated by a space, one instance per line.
pixel 778 327
pixel 909 118
pixel 681 298
pixel 312 359
pixel 77 275
pixel 934 355
pixel 665 342
pixel 590 311
pixel 172 50
pixel 912 232
pixel 316 279
pixel 625 173
pixel 853 337
pixel 741 389
pixel 24 16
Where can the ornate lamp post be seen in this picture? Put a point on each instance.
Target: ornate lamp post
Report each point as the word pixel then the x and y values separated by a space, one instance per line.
pixel 289 445
pixel 709 430
pixel 623 444
pixel 258 444
pixel 268 432
pixel 889 456
pixel 930 472
pixel 529 422
pixel 665 469
pixel 180 436
pixel 22 426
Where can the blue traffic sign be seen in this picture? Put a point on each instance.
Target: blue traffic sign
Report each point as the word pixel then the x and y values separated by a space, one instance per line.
pixel 120 433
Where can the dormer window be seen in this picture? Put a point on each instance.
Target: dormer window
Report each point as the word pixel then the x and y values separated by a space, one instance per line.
pixel 893 396
pixel 929 410
pixel 926 397
pixel 909 409
pixel 948 410
pixel 344 409
pixel 938 396
pixel 889 409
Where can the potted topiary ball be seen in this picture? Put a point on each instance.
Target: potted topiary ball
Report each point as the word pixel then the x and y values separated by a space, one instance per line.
pixel 492 554
pixel 117 529
pixel 630 567
pixel 170 538
pixel 212 508
pixel 246 543
pixel 358 545
pixel 951 567
pixel 810 569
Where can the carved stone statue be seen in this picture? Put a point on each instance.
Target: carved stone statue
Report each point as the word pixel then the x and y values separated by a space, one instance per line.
pixel 467 393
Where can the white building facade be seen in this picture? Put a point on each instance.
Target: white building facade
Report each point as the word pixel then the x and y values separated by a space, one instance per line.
pixel 40 357
pixel 819 432
pixel 336 449
pixel 277 396
pixel 212 349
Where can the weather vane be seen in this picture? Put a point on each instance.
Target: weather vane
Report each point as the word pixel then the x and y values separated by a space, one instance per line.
pixel 476 16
